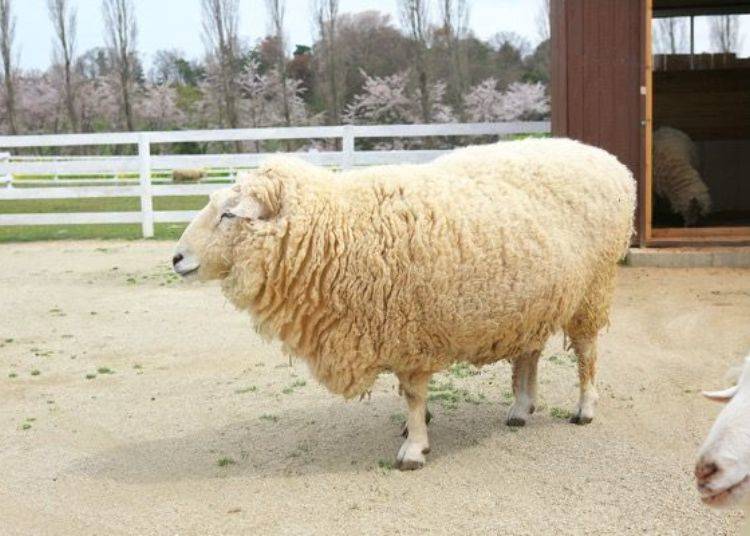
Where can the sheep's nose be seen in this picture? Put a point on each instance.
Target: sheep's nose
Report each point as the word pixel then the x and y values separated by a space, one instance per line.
pixel 704 470
pixel 177 258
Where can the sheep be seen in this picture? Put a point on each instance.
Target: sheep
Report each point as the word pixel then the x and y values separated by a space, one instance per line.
pixel 676 177
pixel 478 256
pixel 722 471
pixel 188 175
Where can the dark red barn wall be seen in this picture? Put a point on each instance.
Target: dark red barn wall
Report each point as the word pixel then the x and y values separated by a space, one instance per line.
pixel 599 77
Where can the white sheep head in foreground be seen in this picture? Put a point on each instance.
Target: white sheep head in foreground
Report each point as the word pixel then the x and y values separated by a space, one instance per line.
pixel 478 256
pixel 723 469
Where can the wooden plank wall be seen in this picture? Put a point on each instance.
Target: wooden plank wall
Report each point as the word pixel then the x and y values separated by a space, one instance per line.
pixel 708 105
pixel 598 68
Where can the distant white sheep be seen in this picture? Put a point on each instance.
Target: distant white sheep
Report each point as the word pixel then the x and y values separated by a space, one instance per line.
pixel 676 176
pixel 478 256
pixel 188 175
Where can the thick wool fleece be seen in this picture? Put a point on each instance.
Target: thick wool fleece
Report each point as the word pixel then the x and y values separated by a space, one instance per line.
pixel 676 176
pixel 478 256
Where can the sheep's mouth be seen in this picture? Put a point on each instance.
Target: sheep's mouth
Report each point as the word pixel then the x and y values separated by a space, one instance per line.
pixel 726 496
pixel 187 273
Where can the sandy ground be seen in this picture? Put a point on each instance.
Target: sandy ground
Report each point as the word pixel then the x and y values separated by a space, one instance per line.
pixel 138 450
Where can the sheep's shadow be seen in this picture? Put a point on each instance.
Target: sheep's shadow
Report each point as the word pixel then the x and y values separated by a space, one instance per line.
pixel 320 439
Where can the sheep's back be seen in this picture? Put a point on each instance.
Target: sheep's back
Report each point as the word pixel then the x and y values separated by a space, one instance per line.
pixel 492 245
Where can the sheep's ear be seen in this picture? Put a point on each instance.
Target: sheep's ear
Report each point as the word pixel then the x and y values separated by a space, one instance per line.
pixel 723 396
pixel 246 206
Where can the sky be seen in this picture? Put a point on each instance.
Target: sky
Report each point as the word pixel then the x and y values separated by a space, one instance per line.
pixel 175 24
pixel 168 24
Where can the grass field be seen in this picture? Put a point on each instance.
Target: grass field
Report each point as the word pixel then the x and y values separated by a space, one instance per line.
pixel 26 233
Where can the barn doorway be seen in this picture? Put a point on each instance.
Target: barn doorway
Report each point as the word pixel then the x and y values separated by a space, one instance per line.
pixel 700 142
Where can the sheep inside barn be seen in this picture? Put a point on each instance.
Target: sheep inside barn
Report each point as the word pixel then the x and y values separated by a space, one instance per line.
pixel 478 256
pixel 676 177
pixel 722 471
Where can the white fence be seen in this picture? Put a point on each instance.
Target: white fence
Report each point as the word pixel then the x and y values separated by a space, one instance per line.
pixel 144 163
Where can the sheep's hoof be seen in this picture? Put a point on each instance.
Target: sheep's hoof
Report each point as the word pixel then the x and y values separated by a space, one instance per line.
pixel 411 456
pixel 410 465
pixel 580 420
pixel 515 421
pixel 518 414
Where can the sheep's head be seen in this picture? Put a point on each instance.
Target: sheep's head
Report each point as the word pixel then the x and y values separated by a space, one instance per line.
pixel 723 469
pixel 205 250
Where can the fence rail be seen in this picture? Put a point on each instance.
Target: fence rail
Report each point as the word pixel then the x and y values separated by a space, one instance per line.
pixel 144 163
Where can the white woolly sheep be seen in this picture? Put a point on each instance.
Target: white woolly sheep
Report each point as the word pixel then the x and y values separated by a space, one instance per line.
pixel 722 471
pixel 676 176
pixel 478 256
pixel 188 175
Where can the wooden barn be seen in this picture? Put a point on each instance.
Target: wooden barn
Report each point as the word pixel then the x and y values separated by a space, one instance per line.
pixel 610 89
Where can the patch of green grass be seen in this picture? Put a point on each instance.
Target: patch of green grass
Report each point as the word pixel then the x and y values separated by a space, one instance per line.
pixel 114 231
pixel 36 372
pixel 137 366
pixel 25 426
pixel 105 370
pixel 100 204
pixel 26 233
pixel 268 417
pixel 385 465
pixel 563 359
pixel 450 396
pixel 560 413
pixel 90 376
pixel 249 389
pixel 462 370
pixel 295 385
pixel 224 462
pixel 398 418
pixel 8 341
pixel 12 375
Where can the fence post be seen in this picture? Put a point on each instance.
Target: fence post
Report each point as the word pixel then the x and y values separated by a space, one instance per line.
pixel 347 147
pixel 5 176
pixel 144 168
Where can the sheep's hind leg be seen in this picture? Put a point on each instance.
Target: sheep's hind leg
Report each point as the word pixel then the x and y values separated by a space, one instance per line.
pixel 524 388
pixel 585 350
pixel 411 454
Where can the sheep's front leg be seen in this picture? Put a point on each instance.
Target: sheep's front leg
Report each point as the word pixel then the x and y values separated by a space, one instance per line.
pixel 524 388
pixel 411 454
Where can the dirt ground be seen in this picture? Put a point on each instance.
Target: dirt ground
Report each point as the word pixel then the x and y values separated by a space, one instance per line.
pixel 131 403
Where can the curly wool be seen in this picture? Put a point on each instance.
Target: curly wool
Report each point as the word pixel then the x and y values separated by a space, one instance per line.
pixel 676 176
pixel 478 256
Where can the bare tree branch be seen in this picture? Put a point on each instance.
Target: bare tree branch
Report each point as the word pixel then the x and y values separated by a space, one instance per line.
pixel 7 36
pixel 415 20
pixel 455 19
pixel 725 33
pixel 63 18
pixel 120 36
pixel 276 11
pixel 325 13
pixel 221 39
pixel 542 20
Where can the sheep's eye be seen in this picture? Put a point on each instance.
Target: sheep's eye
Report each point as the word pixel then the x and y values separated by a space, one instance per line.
pixel 228 215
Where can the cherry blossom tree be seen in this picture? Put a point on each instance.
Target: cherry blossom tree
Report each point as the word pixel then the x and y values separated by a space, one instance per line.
pixel 157 108
pixel 521 101
pixel 388 100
